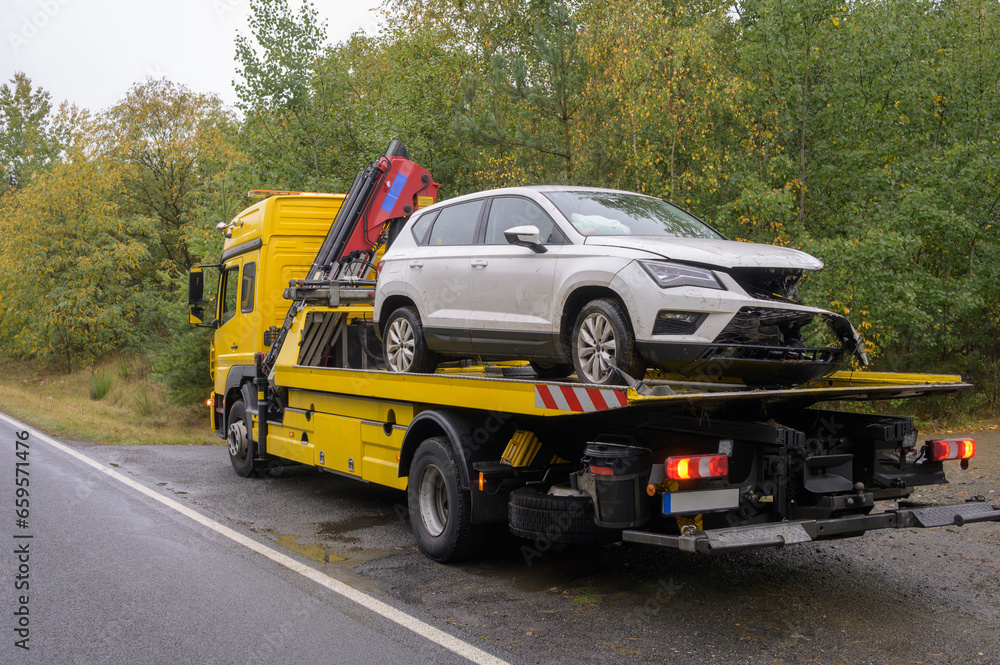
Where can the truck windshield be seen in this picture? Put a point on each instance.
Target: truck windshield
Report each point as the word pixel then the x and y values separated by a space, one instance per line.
pixel 626 214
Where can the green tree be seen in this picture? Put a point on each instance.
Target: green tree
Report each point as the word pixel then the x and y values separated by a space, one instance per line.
pixel 29 136
pixel 286 130
pixel 172 147
pixel 529 99
pixel 70 287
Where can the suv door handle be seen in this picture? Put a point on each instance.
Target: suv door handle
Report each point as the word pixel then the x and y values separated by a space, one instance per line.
pixel 480 263
pixel 416 264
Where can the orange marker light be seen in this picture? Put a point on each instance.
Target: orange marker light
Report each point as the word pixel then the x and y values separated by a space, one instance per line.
pixel 482 481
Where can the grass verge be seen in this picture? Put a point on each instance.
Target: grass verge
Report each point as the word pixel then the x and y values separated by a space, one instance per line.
pixel 115 402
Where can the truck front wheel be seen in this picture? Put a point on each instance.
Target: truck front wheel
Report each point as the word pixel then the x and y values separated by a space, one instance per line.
pixel 439 508
pixel 240 441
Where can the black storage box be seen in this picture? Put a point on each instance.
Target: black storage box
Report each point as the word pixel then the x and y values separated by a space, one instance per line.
pixel 615 477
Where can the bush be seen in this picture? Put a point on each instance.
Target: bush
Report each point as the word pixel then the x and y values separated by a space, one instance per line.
pixel 101 383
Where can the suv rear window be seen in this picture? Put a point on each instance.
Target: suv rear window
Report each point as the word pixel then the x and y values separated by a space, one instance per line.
pixel 421 226
pixel 455 225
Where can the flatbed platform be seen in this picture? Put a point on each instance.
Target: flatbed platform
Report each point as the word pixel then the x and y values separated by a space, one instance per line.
pixel 476 387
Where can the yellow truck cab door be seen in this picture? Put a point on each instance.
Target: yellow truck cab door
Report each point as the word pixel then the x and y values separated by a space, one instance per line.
pixel 235 339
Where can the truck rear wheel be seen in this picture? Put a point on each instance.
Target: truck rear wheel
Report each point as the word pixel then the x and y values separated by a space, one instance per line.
pixel 439 509
pixel 556 519
pixel 240 441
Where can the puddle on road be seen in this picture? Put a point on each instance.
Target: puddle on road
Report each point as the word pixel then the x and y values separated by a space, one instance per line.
pixel 335 530
pixel 314 552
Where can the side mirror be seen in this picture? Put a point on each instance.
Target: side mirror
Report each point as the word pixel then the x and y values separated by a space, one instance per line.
pixel 525 236
pixel 196 287
pixel 196 296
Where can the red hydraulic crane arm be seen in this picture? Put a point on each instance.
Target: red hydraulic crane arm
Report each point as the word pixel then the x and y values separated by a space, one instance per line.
pixel 403 188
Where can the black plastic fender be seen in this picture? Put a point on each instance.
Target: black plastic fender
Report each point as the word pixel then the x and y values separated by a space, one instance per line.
pixel 474 436
pixel 237 376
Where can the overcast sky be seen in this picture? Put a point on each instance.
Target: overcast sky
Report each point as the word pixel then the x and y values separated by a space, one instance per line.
pixel 90 52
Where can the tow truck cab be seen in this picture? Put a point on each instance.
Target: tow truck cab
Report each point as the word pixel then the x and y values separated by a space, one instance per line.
pixel 266 246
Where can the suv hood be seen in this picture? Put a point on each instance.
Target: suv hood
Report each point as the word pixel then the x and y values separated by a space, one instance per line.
pixel 718 253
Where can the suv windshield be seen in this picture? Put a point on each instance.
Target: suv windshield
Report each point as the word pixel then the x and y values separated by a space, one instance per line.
pixel 625 214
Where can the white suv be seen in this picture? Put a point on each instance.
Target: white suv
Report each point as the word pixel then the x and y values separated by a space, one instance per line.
pixel 602 282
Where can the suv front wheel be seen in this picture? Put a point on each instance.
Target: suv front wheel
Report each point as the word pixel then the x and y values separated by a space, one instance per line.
pixel 603 340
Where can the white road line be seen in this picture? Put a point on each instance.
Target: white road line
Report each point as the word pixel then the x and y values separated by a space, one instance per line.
pixel 439 637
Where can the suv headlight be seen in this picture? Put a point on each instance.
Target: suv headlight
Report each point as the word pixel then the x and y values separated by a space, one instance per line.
pixel 668 275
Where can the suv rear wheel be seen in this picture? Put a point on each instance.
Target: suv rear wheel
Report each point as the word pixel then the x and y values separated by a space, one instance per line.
pixel 404 345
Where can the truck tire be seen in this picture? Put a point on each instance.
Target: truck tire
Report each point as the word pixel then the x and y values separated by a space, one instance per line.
pixel 403 343
pixel 240 441
pixel 556 519
pixel 440 510
pixel 602 334
pixel 549 370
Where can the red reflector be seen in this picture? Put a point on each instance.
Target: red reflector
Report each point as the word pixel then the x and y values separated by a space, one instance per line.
pixel 697 466
pixel 602 470
pixel 945 449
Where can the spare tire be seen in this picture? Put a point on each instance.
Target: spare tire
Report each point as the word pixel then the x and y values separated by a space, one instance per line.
pixel 556 519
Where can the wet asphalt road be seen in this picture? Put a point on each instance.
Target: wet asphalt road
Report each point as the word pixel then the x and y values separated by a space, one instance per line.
pixel 99 573
pixel 901 596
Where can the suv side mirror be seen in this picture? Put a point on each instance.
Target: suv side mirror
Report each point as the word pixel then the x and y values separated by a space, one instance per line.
pixel 525 236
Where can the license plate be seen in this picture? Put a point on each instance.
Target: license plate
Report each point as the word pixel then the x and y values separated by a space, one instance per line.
pixel 705 501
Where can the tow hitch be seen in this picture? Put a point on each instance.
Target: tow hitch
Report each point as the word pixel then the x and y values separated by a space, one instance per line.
pixel 778 534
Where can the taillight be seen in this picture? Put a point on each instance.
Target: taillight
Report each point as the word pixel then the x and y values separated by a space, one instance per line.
pixel 697 466
pixel 945 449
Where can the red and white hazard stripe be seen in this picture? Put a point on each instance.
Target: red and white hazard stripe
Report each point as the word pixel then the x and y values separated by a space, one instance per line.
pixel 578 399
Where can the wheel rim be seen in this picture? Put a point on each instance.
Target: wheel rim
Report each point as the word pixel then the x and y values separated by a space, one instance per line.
pixel 237 439
pixel 432 499
pixel 401 345
pixel 596 347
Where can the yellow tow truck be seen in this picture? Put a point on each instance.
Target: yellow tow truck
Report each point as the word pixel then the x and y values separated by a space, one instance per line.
pixel 704 466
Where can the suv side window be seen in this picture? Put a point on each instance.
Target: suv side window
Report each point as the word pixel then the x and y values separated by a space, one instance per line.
pixel 246 287
pixel 230 293
pixel 421 227
pixel 456 225
pixel 506 212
